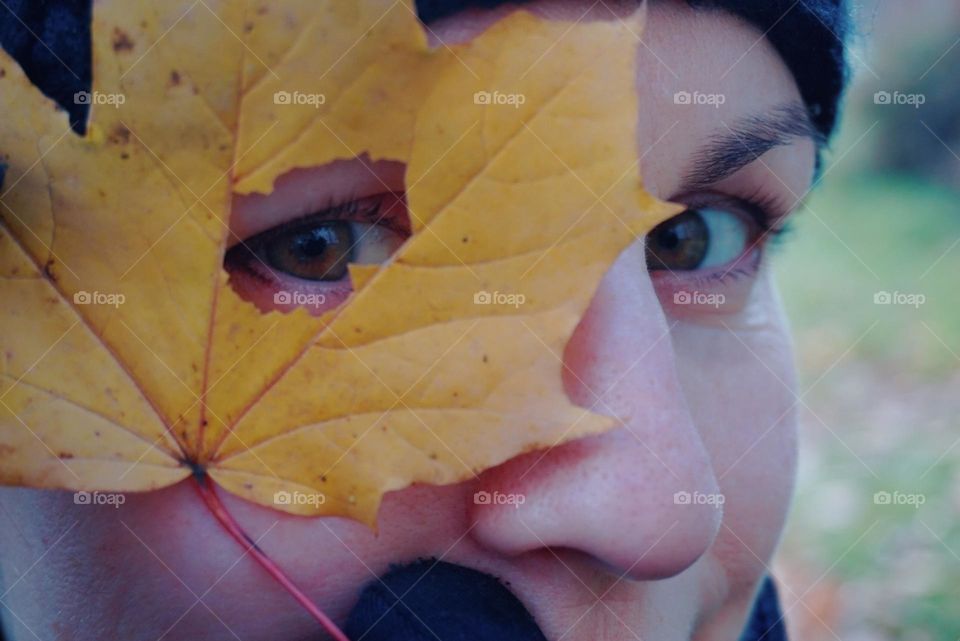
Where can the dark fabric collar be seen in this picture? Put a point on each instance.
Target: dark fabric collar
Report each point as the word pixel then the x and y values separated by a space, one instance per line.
pixel 766 621
pixel 430 599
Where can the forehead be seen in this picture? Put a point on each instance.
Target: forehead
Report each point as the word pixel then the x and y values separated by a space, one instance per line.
pixel 699 71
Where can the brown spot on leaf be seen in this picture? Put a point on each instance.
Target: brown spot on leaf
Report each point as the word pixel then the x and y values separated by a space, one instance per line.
pixel 119 135
pixel 121 41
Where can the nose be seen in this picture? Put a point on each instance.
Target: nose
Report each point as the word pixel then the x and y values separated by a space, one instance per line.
pixel 631 499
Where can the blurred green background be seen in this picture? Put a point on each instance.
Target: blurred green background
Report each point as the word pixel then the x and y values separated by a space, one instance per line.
pixel 880 383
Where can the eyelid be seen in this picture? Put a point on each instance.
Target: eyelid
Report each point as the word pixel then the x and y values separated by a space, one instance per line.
pixel 387 209
pixel 761 209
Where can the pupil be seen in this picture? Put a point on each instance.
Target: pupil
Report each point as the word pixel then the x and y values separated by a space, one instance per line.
pixel 668 239
pixel 680 243
pixel 313 244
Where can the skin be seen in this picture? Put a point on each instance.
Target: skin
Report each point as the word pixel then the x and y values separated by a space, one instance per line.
pixel 599 551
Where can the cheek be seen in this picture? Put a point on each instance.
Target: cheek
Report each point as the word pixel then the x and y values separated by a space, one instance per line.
pixel 739 381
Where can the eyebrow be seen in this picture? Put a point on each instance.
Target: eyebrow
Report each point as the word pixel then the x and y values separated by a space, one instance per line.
pixel 748 138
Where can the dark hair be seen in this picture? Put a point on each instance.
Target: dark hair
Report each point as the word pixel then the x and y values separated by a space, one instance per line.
pixel 808 34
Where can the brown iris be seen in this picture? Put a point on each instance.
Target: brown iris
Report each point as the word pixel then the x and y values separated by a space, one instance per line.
pixel 678 244
pixel 319 252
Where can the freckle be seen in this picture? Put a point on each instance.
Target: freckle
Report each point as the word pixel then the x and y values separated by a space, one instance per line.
pixel 465 239
pixel 433 456
pixel 323 478
pixel 248 27
pixel 3 73
pixel 124 156
pixel 175 77
pixel 263 10
pixel 248 486
pixel 65 455
pixel 97 433
pixel 485 358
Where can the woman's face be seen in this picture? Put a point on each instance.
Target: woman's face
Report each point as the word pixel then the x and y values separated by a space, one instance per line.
pixel 686 339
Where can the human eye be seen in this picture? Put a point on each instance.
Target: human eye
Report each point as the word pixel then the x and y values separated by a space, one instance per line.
pixel 303 262
pixel 706 257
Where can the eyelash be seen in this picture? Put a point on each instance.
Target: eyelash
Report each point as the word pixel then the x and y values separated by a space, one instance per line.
pixel 771 226
pixel 243 254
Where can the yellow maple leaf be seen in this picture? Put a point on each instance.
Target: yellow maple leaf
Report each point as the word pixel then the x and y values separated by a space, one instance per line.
pixel 130 362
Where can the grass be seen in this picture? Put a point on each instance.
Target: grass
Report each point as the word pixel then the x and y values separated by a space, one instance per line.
pixel 880 386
